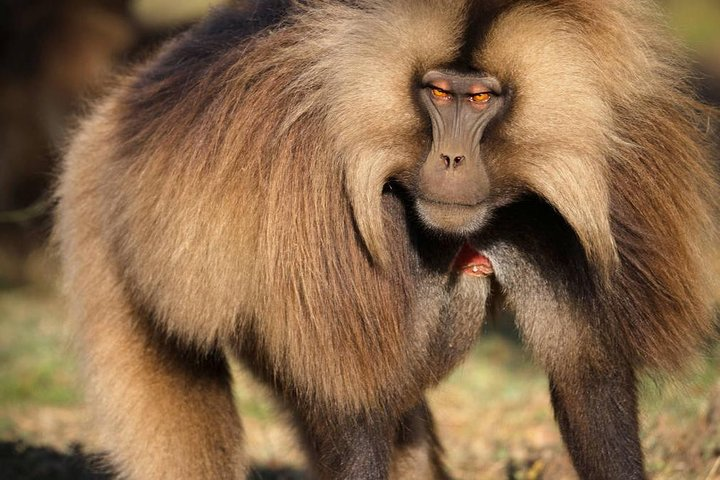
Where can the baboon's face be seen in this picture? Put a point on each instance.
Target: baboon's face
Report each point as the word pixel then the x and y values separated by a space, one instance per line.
pixel 470 110
pixel 453 185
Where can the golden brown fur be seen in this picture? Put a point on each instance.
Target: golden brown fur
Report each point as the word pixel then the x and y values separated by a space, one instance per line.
pixel 229 196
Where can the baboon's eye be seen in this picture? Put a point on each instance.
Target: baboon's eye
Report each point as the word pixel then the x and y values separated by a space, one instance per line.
pixel 441 94
pixel 482 97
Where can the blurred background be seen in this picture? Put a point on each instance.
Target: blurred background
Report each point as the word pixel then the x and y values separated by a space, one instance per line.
pixel 493 414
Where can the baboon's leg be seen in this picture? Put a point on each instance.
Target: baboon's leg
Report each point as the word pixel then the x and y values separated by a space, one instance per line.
pixel 593 394
pixel 375 449
pixel 347 449
pixel 417 453
pixel 545 278
pixel 597 414
pixel 162 412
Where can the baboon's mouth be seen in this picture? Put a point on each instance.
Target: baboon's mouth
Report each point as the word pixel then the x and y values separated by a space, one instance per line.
pixel 453 218
pixel 470 261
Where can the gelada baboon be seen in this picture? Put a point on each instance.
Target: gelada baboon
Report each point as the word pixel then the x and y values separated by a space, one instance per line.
pixel 334 195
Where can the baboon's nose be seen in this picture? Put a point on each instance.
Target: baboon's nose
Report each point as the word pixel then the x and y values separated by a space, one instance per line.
pixel 452 161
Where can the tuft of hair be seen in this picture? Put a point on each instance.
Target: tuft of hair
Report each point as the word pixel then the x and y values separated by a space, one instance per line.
pixel 608 130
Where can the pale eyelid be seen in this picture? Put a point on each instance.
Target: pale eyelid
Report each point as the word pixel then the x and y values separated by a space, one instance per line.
pixel 444 95
pixel 487 96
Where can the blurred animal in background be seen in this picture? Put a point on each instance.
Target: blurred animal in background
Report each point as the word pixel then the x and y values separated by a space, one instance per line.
pixel 51 53
pixel 53 57
pixel 334 192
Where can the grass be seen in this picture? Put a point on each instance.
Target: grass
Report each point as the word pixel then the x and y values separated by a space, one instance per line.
pixel 493 413
pixel 36 366
pixel 697 22
pixel 170 12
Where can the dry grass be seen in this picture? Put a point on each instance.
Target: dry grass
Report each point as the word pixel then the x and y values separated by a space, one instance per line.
pixel 493 413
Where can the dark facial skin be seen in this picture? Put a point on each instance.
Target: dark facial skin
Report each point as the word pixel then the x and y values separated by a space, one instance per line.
pixel 453 183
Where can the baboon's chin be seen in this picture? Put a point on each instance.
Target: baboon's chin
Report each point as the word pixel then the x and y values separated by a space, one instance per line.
pixel 453 219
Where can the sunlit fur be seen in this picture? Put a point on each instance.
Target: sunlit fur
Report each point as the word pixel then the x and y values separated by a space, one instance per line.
pixel 233 190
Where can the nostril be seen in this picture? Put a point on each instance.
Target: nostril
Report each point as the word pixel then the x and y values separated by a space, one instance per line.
pixel 458 160
pixel 445 159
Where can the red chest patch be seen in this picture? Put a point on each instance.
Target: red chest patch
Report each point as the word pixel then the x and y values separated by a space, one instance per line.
pixel 471 262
